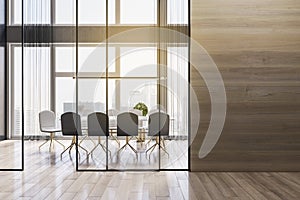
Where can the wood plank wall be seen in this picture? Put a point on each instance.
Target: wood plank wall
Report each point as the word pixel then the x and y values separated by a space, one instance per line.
pixel 256 46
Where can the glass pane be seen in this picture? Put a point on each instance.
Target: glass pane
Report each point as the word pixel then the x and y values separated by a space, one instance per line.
pixel 36 88
pixel 92 11
pixel 177 11
pixel 16 88
pixel 138 61
pixel 11 149
pixel 138 12
pixel 65 95
pixel 37 74
pixel 93 59
pixel 35 12
pixel 65 59
pixel 92 98
pixel 89 12
pixel 137 90
pixel 2 11
pixel 176 144
pixel 16 12
pixel 128 93
pixel 65 11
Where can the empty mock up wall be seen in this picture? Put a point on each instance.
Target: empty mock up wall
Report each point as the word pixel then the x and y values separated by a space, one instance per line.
pixel 256 46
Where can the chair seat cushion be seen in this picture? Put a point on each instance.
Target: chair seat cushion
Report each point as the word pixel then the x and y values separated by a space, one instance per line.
pixel 51 130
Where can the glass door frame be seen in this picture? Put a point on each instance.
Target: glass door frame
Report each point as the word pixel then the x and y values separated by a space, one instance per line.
pixel 159 19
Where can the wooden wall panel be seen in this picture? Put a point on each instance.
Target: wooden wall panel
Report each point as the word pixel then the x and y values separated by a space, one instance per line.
pixel 256 46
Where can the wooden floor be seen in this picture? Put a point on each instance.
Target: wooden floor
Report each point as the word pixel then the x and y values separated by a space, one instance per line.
pixel 46 177
pixel 175 157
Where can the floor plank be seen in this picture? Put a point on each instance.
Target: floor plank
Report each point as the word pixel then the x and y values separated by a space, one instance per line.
pixel 48 177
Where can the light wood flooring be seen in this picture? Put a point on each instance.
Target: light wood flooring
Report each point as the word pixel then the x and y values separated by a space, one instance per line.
pixel 175 158
pixel 47 177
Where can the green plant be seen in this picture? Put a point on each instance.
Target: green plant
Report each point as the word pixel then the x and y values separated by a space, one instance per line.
pixel 141 106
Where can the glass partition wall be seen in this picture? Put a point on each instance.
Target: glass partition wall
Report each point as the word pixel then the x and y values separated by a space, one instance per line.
pixel 108 57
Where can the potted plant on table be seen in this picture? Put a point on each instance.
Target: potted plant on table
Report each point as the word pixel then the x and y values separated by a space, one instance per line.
pixel 142 107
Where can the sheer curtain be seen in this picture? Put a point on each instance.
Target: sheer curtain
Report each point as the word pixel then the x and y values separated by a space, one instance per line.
pixel 177 65
pixel 36 86
pixel 37 65
pixel 177 84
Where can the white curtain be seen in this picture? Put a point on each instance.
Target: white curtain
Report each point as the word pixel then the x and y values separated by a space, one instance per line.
pixel 37 82
pixel 36 63
pixel 177 73
pixel 177 86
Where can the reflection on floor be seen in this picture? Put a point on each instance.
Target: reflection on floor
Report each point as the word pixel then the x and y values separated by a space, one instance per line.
pixel 175 157
pixel 10 154
pixel 48 177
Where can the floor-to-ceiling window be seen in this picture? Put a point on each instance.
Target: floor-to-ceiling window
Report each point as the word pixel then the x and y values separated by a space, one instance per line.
pixel 116 70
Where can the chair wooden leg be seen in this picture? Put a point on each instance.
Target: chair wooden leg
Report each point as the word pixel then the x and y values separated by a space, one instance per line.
pixel 101 145
pixel 83 139
pixel 51 142
pixel 161 146
pixel 149 141
pixel 43 144
pixel 133 149
pixel 153 146
pixel 69 147
pixel 127 143
pixel 86 151
pixel 153 149
pixel 123 147
pixel 163 142
pixel 91 152
pixel 115 138
pixel 164 149
pixel 73 143
pixel 59 143
pixel 86 136
pixel 105 149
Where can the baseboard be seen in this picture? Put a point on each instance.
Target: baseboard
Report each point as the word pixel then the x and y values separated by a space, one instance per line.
pixel 2 137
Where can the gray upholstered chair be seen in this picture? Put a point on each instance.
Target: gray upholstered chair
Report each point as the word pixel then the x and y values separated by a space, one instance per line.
pixel 157 108
pixel 98 125
pixel 136 111
pixel 158 127
pixel 127 125
pixel 47 120
pixel 71 126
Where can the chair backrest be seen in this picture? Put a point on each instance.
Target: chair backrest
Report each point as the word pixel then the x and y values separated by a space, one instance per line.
pixel 136 111
pixel 71 124
pixel 158 122
pixel 158 107
pixel 155 111
pixel 127 124
pixel 98 124
pixel 47 120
